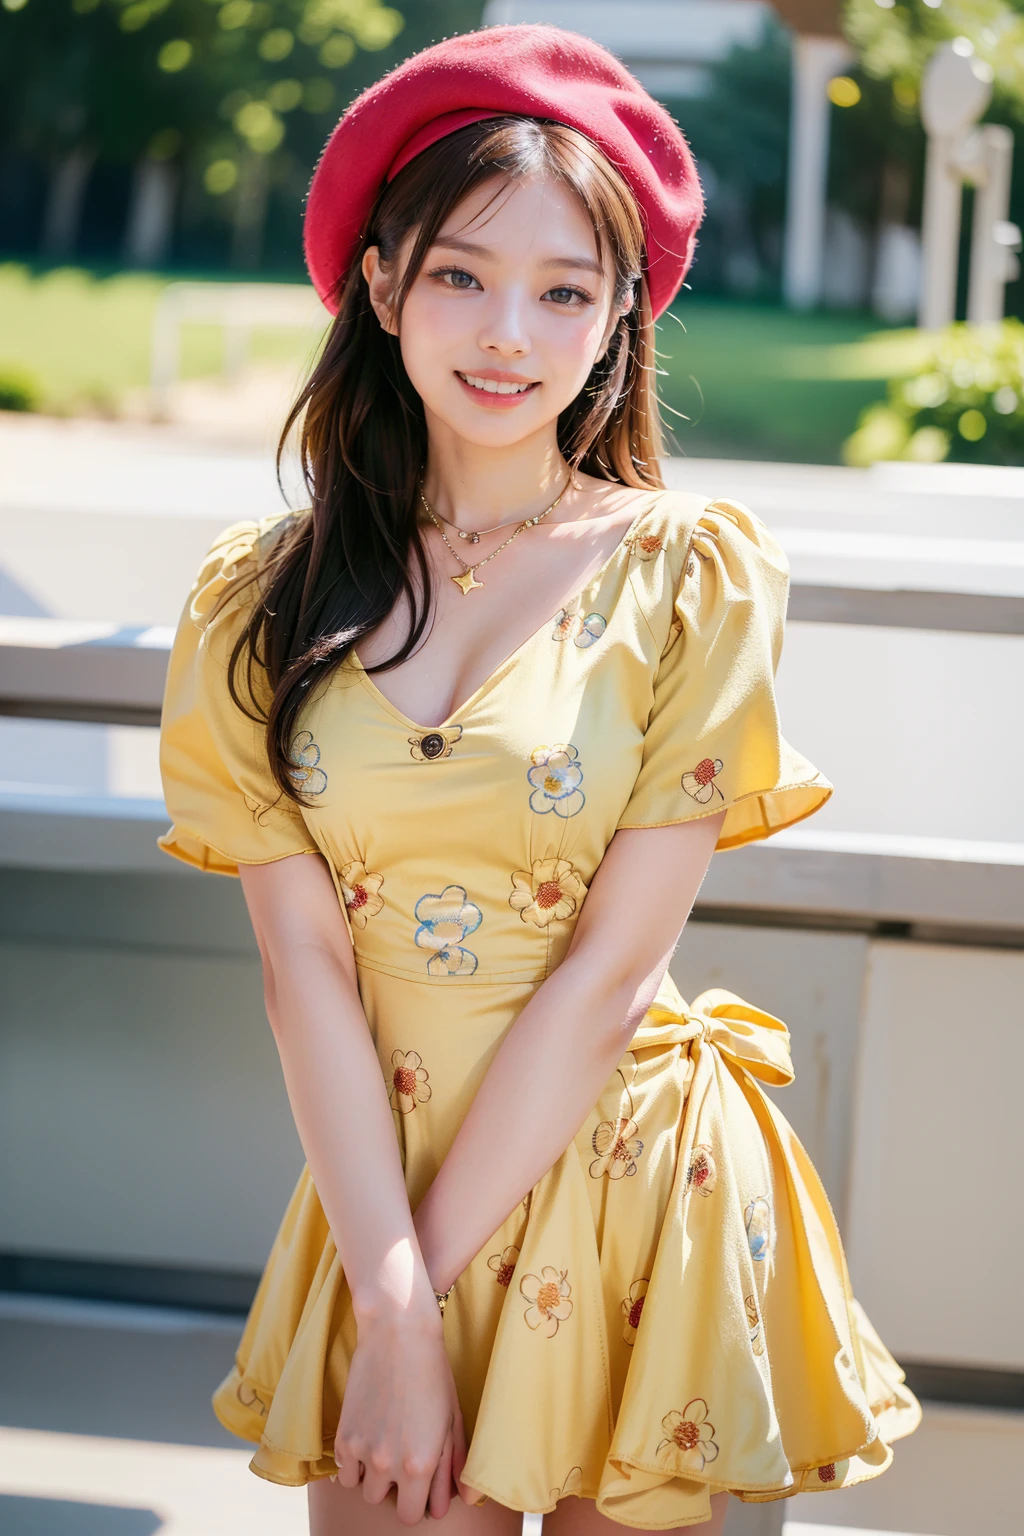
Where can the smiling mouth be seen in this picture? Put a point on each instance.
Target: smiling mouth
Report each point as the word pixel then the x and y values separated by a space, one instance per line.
pixel 493 387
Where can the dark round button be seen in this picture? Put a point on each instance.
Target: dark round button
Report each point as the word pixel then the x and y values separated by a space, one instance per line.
pixel 433 745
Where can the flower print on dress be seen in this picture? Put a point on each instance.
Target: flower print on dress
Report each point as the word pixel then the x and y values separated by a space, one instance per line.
pixel 431 746
pixel 645 546
pixel 689 1444
pixel 582 628
pixel 617 1146
pixel 444 921
pixel 754 1324
pixel 551 891
pixel 573 1485
pixel 504 1264
pixel 547 1295
pixel 700 784
pixel 250 1398
pixel 410 1081
pixel 702 1174
pixel 360 891
pixel 757 1218
pixel 304 755
pixel 555 777
pixel 632 1309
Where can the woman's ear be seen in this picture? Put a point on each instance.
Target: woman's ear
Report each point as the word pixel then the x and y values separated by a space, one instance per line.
pixel 378 281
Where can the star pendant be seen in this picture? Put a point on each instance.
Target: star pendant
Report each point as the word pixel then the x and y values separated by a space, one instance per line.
pixel 467 582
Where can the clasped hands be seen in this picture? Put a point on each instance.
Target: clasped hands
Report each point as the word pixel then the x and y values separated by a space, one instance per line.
pixel 401 1424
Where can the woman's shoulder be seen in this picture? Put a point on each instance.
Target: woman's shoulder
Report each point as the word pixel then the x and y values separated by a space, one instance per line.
pixel 238 552
pixel 680 522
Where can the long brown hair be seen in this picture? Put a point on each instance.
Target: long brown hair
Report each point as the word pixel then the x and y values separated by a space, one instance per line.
pixel 336 572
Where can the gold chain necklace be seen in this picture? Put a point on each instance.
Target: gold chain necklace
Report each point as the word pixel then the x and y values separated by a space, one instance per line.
pixel 467 582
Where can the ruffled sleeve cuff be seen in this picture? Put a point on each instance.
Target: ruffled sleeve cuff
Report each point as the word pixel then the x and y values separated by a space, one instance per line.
pixel 713 740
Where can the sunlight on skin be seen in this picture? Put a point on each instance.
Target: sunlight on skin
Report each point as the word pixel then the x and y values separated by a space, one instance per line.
pixel 515 289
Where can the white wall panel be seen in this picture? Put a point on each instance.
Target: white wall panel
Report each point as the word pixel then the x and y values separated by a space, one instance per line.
pixel 935 1201
pixel 142 1113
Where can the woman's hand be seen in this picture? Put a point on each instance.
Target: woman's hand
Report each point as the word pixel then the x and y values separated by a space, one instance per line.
pixel 401 1418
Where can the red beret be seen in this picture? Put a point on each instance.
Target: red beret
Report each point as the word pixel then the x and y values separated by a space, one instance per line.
pixel 529 71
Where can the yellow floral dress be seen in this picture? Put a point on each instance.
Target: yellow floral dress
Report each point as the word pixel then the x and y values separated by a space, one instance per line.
pixel 668 1313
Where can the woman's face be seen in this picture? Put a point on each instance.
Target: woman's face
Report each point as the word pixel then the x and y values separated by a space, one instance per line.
pixel 508 314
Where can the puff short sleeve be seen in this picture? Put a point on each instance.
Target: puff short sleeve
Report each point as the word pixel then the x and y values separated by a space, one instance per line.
pixel 225 804
pixel 713 740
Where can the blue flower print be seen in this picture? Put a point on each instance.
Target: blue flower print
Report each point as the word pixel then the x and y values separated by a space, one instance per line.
pixel 444 921
pixel 305 775
pixel 758 1220
pixel 555 778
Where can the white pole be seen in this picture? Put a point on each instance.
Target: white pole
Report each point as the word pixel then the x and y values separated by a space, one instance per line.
pixel 815 61
pixel 992 260
pixel 955 90
pixel 940 233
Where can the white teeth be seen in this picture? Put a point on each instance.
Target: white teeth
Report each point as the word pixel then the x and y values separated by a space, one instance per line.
pixel 492 387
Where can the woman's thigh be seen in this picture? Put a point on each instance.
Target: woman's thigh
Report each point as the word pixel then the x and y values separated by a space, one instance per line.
pixel 338 1511
pixel 579 1517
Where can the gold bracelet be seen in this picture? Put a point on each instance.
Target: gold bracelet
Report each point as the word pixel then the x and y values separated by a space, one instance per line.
pixel 441 1297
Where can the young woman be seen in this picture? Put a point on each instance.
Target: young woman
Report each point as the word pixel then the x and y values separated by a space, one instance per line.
pixel 470 730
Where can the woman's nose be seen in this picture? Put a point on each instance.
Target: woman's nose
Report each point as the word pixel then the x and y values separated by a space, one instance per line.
pixel 504 330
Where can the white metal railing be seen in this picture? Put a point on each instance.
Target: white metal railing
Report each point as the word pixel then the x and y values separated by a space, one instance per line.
pixel 238 309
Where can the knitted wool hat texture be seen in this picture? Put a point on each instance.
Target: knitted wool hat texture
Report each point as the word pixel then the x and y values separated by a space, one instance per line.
pixel 524 70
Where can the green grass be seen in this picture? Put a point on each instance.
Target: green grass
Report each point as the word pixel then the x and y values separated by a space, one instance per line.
pixel 763 383
pixel 84 340
pixel 753 381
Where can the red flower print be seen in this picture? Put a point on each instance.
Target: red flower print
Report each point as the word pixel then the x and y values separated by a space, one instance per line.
pixel 410 1081
pixel 632 1309
pixel 700 783
pixel 360 889
pixel 827 1473
pixel 702 1174
pixel 504 1264
pixel 617 1146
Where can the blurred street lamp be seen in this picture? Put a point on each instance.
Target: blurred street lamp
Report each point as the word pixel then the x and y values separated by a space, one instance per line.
pixel 955 92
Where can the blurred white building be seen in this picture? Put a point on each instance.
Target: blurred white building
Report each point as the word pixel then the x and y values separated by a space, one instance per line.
pixel 668 44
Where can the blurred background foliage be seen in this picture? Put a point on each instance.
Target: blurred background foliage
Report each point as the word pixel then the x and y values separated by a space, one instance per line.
pixel 142 140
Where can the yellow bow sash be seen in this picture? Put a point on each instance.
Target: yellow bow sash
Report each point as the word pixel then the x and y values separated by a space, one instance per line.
pixel 745 1035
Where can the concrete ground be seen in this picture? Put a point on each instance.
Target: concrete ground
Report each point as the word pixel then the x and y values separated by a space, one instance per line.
pixel 106 1430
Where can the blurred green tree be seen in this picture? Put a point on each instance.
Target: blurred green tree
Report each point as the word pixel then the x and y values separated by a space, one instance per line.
pixel 214 104
pixel 896 38
pixel 739 131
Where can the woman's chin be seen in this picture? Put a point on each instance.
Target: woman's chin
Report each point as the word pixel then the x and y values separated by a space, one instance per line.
pixel 493 429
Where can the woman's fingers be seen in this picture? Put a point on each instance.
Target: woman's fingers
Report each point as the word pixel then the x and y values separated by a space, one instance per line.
pixel 350 1468
pixel 467 1495
pixel 440 1497
pixel 377 1478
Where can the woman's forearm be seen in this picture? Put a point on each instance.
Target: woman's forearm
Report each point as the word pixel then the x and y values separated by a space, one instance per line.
pixel 554 1062
pixel 551 1066
pixel 345 1124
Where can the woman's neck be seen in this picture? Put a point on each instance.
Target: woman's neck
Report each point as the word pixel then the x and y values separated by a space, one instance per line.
pixel 477 488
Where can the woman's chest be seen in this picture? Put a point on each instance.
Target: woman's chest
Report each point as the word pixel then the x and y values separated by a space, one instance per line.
pixel 543 757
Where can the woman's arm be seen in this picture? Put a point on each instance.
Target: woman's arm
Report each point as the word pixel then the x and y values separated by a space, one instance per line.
pixel 400 1416
pixel 564 1046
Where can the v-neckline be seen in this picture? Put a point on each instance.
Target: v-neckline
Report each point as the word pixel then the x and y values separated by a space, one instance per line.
pixel 493 678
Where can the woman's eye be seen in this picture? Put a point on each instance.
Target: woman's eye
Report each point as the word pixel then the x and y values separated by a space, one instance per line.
pixel 456 277
pixel 566 296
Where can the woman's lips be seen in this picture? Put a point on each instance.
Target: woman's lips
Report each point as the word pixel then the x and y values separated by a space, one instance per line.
pixel 493 393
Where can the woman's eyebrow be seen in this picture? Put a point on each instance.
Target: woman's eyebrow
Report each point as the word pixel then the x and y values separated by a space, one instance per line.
pixel 486 253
